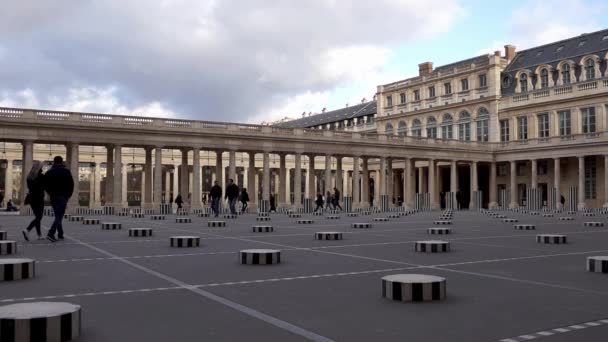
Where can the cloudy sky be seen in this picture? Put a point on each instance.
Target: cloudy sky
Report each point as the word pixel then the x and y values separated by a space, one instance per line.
pixel 251 60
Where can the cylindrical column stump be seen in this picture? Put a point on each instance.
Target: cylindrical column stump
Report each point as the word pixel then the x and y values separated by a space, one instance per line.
pixel 439 231
pixel 262 229
pixel 432 246
pixel 8 247
pixel 551 239
pixel 260 256
pixel 40 322
pixel 185 241
pixel 328 236
pixel 413 287
pixel 16 269
pixel 597 264
pixel 111 225
pixel 140 232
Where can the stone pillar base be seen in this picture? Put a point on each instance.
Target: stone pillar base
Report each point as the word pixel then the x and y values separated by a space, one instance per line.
pixel 581 205
pixel 493 205
pixel 513 205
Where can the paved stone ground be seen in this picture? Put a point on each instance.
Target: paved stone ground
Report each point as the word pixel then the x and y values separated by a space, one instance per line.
pixel 501 284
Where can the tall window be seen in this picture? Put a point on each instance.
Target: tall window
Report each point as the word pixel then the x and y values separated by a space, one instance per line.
pixel 464 126
pixel 565 123
pixel 402 129
pixel 522 128
pixel 432 91
pixel 543 125
pixel 447 87
pixel 544 78
pixel 402 98
pixel 483 82
pixel 523 83
pixel 431 128
pixel 483 117
pixel 464 84
pixel 588 118
pixel 446 126
pixel 590 178
pixel 566 74
pixel 590 69
pixel 504 130
pixel 389 101
pixel 388 129
pixel 416 95
pixel 416 128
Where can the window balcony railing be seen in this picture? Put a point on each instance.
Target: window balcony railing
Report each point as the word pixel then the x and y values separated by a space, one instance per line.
pixel 581 88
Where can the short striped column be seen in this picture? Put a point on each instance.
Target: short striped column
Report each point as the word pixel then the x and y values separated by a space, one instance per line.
pixel 122 213
pixel 76 218
pixel 413 287
pixel 294 215
pixel 381 219
pixel 183 220
pixel 17 269
pixel 8 247
pixel 393 216
pixel 597 264
pixel 358 225
pixel 304 221
pixel 185 241
pixel 262 229
pixel 111 225
pixel 593 224
pixel 524 227
pixel 547 215
pixel 328 236
pixel 3 235
pixel 556 239
pixel 566 218
pixel 432 246
pixel 157 217
pixel 352 215
pixel 438 231
pixel 213 224
pixel 138 215
pixel 90 221
pixel 230 217
pixel 332 217
pixel 262 218
pixel 202 214
pixel 260 256
pixel 442 222
pixel 40 321
pixel 509 220
pixel 140 232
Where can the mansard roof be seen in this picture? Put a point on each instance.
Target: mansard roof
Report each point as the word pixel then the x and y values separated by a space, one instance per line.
pixel 346 113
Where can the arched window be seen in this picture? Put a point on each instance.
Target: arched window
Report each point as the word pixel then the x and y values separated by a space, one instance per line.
pixel 446 126
pixel 388 129
pixel 544 78
pixel 431 127
pixel 483 118
pixel 402 129
pixel 589 69
pixel 566 74
pixel 464 126
pixel 416 128
pixel 523 83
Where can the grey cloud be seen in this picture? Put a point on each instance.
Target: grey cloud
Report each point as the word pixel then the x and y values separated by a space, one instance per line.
pixel 219 60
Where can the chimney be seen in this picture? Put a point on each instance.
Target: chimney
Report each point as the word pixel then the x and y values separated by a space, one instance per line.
pixel 425 68
pixel 323 110
pixel 309 113
pixel 497 53
pixel 363 100
pixel 509 52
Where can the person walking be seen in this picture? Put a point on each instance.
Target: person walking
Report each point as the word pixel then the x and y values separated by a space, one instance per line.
pixel 328 200
pixel 35 198
pixel 59 184
pixel 215 194
pixel 273 203
pixel 1 198
pixel 337 199
pixel 232 193
pixel 319 202
pixel 244 200
pixel 179 201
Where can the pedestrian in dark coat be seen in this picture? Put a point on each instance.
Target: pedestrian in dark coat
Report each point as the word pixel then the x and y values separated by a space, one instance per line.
pixel 179 201
pixel 232 194
pixel 59 184
pixel 337 199
pixel 319 202
pixel 244 199
pixel 35 198
pixel 216 195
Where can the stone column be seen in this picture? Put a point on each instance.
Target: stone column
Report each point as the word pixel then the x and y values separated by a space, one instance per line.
pixel 312 193
pixel 97 187
pixel 282 200
pixel 606 181
pixel 493 196
pixel 167 185
pixel 72 155
pixel 432 187
pixel 184 177
pixel 474 185
pixel 117 177
pixel 232 166
pixel 513 176
pixel 327 174
pixel 389 181
pixel 581 183
pixel 148 179
pixel 409 184
pixel 158 174
pixel 556 182
pixel 125 183
pixel 356 194
pixel 533 176
pixel 219 168
pixel 339 175
pixel 288 189
pixel 195 198
pixel 109 174
pixel 175 189
pixel 297 182
pixel 453 177
pixel 27 158
pixel 421 185
pixel 92 184
pixel 382 179
pixel 253 196
pixel 365 183
pixel 266 179
pixel 8 181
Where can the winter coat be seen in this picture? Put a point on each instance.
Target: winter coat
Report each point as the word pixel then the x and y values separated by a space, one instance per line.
pixel 216 192
pixel 58 182
pixel 244 196
pixel 232 191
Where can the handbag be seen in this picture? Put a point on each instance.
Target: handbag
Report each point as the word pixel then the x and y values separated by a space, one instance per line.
pixel 26 200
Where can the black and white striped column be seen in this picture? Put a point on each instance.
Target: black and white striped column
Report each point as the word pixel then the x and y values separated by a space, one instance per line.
pixel 432 246
pixel 438 231
pixel 260 256
pixel 90 221
pixel 413 287
pixel 8 247
pixel 262 229
pixel 183 220
pixel 214 224
pixel 76 218
pixel 597 264
pixel 157 217
pixel 40 322
pixel 185 241
pixel 304 221
pixel 524 227
pixel 140 232
pixel 111 225
pixel 16 269
pixel 328 236
pixel 556 239
pixel 3 235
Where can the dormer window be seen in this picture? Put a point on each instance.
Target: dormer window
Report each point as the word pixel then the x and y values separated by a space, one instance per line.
pixel 402 98
pixel 447 88
pixel 523 83
pixel 389 101
pixel 544 79
pixel 590 69
pixel 416 95
pixel 566 74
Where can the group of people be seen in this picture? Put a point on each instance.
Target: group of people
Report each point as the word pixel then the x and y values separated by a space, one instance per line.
pixel 58 183
pixel 232 196
pixel 330 201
